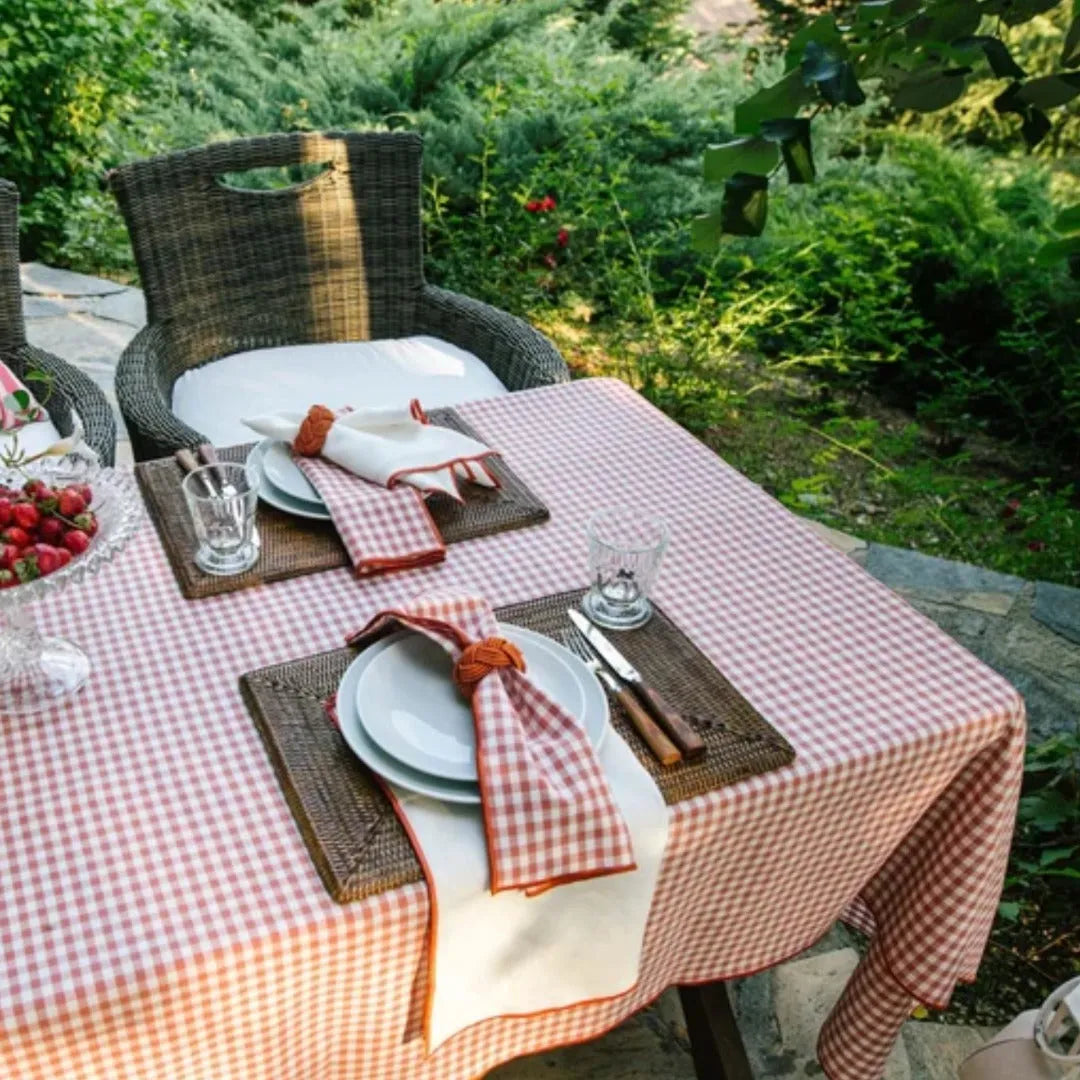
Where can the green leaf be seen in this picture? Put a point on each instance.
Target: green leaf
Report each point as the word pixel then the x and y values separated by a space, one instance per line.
pixel 1051 90
pixel 997 55
pixel 1070 51
pixel 1048 809
pixel 925 93
pixel 1055 855
pixel 746 205
pixel 843 88
pixel 1035 127
pixel 706 231
pixel 834 77
pixel 1009 910
pixel 793 135
pixel 1056 250
pixel 1015 12
pixel 943 22
pixel 873 12
pixel 1068 220
pixel 784 98
pixel 822 31
pixel 753 154
pixel 22 398
pixel 819 62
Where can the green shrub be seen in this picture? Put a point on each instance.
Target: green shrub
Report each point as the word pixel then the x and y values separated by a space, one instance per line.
pixel 923 257
pixel 646 27
pixel 511 99
pixel 67 70
pixel 869 277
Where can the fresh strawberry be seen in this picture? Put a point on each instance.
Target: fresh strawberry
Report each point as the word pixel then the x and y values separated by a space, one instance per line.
pixel 47 560
pixel 51 530
pixel 26 515
pixel 26 568
pixel 36 489
pixel 5 511
pixel 14 535
pixel 8 554
pixel 7 579
pixel 47 505
pixel 76 541
pixel 87 521
pixel 70 503
pixel 63 555
pixel 85 491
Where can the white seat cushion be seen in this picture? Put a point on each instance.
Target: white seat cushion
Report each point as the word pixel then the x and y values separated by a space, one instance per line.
pixel 215 397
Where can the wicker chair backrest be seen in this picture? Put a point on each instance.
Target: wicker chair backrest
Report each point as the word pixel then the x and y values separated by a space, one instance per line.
pixel 12 329
pixel 334 258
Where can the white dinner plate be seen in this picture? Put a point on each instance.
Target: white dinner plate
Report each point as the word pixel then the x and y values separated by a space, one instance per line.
pixel 280 469
pixel 411 709
pixel 273 496
pixel 377 760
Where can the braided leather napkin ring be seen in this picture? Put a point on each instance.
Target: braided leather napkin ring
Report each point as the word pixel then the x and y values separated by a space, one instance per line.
pixel 481 658
pixel 313 431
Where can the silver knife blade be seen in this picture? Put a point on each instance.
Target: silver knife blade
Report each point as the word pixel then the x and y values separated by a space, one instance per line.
pixel 611 656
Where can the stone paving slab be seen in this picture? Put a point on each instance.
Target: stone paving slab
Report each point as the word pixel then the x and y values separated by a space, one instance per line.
pixel 902 569
pixel 804 993
pixel 1058 607
pixel 936 1051
pixel 41 280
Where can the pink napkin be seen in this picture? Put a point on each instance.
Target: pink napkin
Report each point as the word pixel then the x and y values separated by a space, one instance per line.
pixel 549 813
pixel 382 529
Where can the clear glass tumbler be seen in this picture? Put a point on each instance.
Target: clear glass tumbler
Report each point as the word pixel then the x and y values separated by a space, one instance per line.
pixel 222 499
pixel 625 549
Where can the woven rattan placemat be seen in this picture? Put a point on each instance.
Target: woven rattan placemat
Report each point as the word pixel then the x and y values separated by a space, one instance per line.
pixel 351 831
pixel 291 546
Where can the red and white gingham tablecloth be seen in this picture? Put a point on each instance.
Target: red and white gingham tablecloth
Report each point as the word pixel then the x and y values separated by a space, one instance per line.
pixel 161 917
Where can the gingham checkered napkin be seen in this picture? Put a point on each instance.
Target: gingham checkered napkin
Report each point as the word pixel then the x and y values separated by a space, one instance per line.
pixel 382 529
pixel 549 812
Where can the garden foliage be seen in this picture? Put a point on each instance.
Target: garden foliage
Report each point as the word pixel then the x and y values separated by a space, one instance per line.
pixel 908 266
pixel 67 71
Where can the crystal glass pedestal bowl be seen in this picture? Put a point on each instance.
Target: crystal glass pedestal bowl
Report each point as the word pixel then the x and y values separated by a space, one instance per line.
pixel 37 672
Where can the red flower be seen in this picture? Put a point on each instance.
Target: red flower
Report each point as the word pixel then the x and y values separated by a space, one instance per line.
pixel 547 203
pixel 534 206
pixel 563 237
pixel 1010 508
pixel 550 261
pixel 1037 545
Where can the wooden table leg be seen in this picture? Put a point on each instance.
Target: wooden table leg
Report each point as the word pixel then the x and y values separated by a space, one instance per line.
pixel 715 1042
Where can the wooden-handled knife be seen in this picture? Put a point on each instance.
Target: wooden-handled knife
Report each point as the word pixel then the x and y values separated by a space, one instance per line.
pixel 682 735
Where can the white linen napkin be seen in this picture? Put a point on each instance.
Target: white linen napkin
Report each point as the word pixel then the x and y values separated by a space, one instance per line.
pixel 388 446
pixel 514 954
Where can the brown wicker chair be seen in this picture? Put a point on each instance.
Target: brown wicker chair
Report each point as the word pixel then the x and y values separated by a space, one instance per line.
pixel 60 386
pixel 334 259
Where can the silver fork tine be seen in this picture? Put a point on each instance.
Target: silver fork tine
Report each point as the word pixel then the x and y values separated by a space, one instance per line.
pixel 576 643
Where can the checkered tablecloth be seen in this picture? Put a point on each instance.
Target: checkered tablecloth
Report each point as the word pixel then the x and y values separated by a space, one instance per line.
pixel 161 917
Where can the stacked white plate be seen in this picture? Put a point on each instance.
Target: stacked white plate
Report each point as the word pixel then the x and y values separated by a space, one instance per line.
pixel 403 717
pixel 282 484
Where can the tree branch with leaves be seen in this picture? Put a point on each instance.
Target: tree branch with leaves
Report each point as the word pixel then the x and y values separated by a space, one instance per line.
pixel 924 55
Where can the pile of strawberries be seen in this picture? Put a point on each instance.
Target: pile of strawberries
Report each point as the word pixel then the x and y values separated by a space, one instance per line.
pixel 42 529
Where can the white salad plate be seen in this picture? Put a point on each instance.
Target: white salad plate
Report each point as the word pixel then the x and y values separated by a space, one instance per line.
pixel 541 654
pixel 280 469
pixel 274 496
pixel 378 760
pixel 411 709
